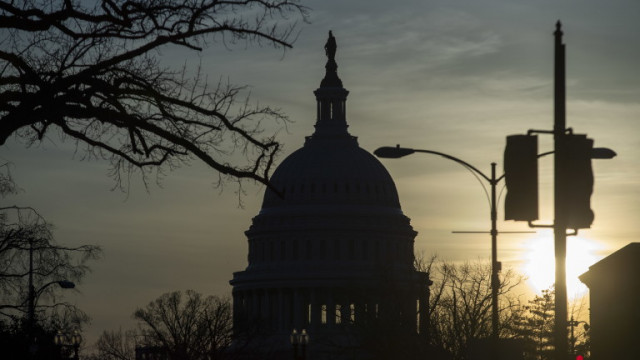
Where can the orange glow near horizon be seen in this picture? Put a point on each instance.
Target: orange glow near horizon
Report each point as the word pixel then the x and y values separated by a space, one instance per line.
pixel 539 266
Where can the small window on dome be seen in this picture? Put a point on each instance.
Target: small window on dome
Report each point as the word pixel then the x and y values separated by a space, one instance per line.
pixel 324 187
pixel 313 187
pixel 346 188
pixel 335 187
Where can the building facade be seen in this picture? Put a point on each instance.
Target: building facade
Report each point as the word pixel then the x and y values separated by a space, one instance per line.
pixel 332 252
pixel 614 295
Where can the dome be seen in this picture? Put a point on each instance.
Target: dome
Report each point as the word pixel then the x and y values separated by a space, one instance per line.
pixel 329 171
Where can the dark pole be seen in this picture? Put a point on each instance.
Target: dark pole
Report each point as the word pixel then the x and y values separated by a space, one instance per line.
pixel 560 221
pixel 31 301
pixel 572 338
pixel 295 351
pixel 495 268
pixel 304 351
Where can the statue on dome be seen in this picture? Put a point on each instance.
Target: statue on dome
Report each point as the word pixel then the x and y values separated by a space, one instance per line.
pixel 330 47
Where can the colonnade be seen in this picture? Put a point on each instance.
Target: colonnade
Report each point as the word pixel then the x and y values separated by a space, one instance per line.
pixel 320 309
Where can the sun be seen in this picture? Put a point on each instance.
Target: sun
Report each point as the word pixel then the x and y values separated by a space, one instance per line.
pixel 539 266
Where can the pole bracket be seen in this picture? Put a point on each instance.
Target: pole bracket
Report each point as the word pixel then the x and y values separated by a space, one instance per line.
pixel 532 225
pixel 550 132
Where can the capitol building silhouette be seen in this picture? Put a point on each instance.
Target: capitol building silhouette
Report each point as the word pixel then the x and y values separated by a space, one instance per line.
pixel 330 252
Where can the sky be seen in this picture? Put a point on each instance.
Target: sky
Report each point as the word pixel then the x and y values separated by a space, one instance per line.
pixel 451 76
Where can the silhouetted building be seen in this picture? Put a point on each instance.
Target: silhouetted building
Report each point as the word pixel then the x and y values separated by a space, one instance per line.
pixel 333 253
pixel 151 353
pixel 614 291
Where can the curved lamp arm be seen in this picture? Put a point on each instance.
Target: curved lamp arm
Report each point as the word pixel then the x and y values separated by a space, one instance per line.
pixel 398 152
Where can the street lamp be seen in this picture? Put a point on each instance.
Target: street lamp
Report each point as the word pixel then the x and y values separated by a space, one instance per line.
pixel 33 296
pixel 572 339
pixel 596 153
pixel 299 340
pixel 398 152
pixel 63 340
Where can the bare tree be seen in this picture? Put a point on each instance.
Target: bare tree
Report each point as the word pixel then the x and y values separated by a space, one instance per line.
pixel 93 74
pixel 30 254
pixel 460 305
pixel 183 325
pixel 116 345
pixel 27 248
pixel 32 265
pixel 187 326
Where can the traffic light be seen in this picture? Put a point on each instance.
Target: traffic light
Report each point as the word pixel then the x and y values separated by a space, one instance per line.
pixel 577 181
pixel 521 178
pixel 579 357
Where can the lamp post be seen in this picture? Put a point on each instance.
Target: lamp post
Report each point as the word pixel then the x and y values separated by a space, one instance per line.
pixel 397 152
pixel 572 339
pixel 560 234
pixel 64 340
pixel 33 296
pixel 299 340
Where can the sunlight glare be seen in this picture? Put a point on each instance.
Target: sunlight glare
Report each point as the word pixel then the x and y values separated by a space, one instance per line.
pixel 539 265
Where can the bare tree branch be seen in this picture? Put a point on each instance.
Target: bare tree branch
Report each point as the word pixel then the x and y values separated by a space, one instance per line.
pixel 93 75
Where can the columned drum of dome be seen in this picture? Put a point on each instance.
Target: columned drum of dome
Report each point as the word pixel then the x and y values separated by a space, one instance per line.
pixel 333 252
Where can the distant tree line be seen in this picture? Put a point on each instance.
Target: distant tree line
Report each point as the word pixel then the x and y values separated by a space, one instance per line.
pixel 195 327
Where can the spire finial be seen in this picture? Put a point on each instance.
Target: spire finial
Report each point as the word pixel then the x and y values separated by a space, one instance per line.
pixel 330 47
pixel 558 31
pixel 331 78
